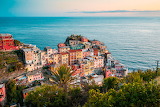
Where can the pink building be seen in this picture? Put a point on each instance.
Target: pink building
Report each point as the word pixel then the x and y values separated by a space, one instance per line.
pixel 86 53
pixel 2 94
pixel 96 42
pixel 33 76
pixel 109 73
pixel 119 66
pixel 98 62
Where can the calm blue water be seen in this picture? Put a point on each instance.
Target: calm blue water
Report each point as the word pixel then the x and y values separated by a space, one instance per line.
pixel 135 41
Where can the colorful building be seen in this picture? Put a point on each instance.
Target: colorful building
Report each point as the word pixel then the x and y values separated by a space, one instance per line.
pixel 32 57
pixel 63 49
pixel 73 42
pixel 86 53
pixel 78 46
pixel 2 94
pixel 64 58
pixel 33 76
pixel 74 56
pixel 87 66
pixel 98 61
pixel 7 43
pixel 26 91
pixel 61 45
pixel 56 58
pixel 83 39
pixel 96 42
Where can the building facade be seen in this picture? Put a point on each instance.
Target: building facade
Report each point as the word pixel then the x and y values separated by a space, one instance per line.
pixel 7 43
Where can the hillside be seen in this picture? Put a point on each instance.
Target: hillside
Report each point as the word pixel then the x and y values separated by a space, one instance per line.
pixel 10 63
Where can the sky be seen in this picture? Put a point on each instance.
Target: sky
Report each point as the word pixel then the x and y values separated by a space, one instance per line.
pixel 44 8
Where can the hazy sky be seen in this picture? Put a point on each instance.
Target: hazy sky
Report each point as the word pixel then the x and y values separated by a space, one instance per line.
pixel 79 8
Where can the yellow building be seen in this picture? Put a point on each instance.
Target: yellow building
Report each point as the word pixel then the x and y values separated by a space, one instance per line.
pixel 56 58
pixel 64 57
pixel 87 66
pixel 79 54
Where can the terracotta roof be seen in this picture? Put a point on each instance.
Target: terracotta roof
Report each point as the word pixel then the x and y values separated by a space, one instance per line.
pixel 75 50
pixel 63 53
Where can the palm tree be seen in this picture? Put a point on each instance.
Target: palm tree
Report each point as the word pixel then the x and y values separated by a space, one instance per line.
pixel 62 76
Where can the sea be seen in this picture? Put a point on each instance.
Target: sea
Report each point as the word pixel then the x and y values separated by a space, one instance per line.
pixel 134 41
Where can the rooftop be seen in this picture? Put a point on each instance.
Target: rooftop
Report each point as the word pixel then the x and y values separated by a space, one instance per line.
pixel 63 53
pixel 33 73
pixel 5 34
pixel 75 50
pixel 29 89
pixel 27 49
pixel 48 47
pixel 65 47
pixel 1 85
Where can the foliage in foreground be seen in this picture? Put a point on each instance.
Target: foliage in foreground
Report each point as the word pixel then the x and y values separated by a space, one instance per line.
pixel 138 89
pixel 62 76
pixel 54 96
pixel 14 93
pixel 129 95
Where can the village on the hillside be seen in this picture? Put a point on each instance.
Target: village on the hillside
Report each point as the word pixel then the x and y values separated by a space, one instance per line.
pixel 89 59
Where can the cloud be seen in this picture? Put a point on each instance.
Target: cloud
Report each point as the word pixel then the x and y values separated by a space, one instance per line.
pixel 116 11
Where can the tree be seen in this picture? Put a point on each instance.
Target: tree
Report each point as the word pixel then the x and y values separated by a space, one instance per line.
pixel 133 77
pixel 11 92
pixel 48 96
pixel 147 75
pixel 62 76
pixel 110 83
pixel 14 92
pixel 129 95
pixel 17 42
pixel 77 97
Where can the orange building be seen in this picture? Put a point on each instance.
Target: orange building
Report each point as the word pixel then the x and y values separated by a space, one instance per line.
pixel 7 43
pixel 96 51
pixel 75 55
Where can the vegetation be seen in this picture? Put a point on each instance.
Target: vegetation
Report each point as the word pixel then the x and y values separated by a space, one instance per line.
pixel 138 89
pixel 9 61
pixel 14 93
pixel 17 43
pixel 62 76
pixel 73 37
pixel 46 95
pixel 129 95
